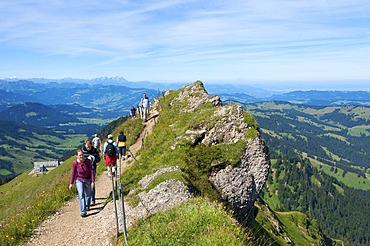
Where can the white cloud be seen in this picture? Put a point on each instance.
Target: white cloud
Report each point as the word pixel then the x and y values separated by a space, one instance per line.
pixel 250 37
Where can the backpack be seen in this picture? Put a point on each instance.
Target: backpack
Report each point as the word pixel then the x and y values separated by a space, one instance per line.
pixel 121 141
pixel 110 149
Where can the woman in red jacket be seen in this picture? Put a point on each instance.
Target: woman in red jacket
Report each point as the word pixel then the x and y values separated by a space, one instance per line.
pixel 83 175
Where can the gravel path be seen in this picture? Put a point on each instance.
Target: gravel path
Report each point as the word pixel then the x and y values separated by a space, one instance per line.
pixel 67 227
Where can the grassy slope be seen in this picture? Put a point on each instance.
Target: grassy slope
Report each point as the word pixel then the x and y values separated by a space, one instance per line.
pixel 300 229
pixel 197 222
pixel 23 157
pixel 26 201
pixel 274 228
pixel 350 179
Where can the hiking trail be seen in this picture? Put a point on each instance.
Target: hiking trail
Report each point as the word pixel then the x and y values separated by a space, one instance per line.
pixel 67 227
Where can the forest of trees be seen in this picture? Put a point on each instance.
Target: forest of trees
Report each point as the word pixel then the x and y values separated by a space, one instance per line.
pixel 343 212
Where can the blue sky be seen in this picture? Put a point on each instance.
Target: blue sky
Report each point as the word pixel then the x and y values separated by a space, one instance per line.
pixel 183 41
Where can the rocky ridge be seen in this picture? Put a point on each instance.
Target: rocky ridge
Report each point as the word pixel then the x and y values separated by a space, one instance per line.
pixel 238 185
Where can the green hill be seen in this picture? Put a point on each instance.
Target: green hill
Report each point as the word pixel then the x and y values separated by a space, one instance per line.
pixel 32 132
pixel 333 137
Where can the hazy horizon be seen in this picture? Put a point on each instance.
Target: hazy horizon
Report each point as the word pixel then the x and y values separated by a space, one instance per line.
pixel 278 86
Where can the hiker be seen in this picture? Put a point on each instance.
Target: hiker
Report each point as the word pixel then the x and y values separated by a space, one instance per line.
pixel 83 175
pixel 110 151
pixel 146 103
pixel 96 142
pixel 140 109
pixel 93 154
pixel 133 112
pixel 121 140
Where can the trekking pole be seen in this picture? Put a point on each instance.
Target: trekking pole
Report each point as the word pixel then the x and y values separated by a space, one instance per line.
pixel 123 215
pixel 114 200
pixel 116 180
pixel 120 166
pixel 132 154
pixel 119 175
pixel 118 172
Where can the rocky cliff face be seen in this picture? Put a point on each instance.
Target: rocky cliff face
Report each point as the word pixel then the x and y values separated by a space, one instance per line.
pixel 238 185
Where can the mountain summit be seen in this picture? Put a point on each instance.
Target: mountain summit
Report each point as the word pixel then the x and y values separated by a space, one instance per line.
pixel 216 148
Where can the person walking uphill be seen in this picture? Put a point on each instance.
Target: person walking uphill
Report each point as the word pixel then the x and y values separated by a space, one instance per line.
pixel 110 151
pixel 83 175
pixel 146 103
pixel 94 156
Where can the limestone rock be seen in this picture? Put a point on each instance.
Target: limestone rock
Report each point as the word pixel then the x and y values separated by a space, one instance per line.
pixel 240 185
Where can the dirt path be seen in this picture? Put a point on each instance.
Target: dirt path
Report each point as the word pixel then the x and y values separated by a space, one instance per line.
pixel 67 227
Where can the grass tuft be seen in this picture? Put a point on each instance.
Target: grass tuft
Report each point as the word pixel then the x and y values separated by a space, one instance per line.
pixel 197 222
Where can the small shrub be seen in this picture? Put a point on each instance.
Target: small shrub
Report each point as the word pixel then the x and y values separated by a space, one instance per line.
pixel 250 133
pixel 250 120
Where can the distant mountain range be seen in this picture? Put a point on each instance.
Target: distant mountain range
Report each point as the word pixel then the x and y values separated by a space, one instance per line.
pixel 324 98
pixel 108 101
pixel 124 94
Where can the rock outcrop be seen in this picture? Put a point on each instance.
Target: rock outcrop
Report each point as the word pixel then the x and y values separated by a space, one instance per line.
pixel 165 195
pixel 238 185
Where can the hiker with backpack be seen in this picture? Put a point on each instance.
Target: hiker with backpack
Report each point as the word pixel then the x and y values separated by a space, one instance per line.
pixel 93 154
pixel 110 151
pixel 121 140
pixel 83 175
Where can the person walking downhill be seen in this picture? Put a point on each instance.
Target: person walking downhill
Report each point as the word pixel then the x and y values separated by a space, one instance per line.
pixel 93 155
pixel 140 109
pixel 96 142
pixel 121 140
pixel 146 103
pixel 83 175
pixel 110 151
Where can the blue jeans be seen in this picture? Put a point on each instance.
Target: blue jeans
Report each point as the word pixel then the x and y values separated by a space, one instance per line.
pixel 122 151
pixel 84 192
